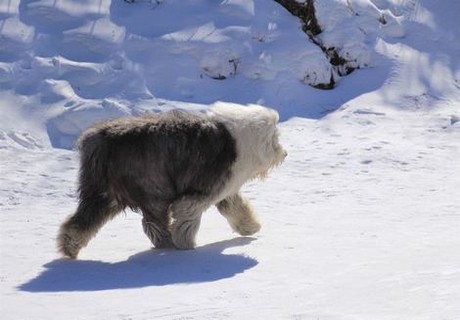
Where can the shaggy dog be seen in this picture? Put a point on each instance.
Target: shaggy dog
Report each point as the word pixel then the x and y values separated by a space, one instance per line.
pixel 172 167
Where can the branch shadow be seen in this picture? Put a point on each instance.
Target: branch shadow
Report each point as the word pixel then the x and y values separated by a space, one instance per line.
pixel 148 268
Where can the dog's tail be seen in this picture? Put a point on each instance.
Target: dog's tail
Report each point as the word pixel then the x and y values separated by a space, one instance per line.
pixel 94 156
pixel 95 205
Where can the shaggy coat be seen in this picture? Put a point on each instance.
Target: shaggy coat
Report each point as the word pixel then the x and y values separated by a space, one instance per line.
pixel 171 167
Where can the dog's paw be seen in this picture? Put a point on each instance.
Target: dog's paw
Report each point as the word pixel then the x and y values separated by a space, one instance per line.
pixel 67 246
pixel 248 228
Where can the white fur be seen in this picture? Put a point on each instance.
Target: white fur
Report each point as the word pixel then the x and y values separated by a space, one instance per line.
pixel 239 214
pixel 258 150
pixel 186 213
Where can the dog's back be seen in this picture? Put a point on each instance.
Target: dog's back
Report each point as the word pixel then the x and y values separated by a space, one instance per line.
pixel 163 156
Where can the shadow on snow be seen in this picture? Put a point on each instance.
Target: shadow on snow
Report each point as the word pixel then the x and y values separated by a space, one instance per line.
pixel 148 268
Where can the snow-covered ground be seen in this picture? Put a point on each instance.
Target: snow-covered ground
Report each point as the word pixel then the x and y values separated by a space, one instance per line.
pixel 362 221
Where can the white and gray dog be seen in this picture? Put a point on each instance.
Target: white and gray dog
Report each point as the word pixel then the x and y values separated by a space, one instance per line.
pixel 172 166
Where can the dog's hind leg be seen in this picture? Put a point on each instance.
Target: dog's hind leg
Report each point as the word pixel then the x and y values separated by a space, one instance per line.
pixel 156 223
pixel 93 211
pixel 239 214
pixel 186 214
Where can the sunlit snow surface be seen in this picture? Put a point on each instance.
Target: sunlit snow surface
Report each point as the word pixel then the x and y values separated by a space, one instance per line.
pixel 362 221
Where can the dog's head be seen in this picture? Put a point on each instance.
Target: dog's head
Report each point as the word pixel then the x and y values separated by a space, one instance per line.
pixel 255 130
pixel 270 152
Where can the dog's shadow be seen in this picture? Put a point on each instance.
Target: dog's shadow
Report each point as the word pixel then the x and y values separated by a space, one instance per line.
pixel 148 268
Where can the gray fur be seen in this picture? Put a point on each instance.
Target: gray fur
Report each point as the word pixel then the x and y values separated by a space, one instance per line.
pixel 169 166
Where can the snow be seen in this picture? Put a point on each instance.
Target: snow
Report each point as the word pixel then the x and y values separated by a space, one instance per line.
pixel 360 222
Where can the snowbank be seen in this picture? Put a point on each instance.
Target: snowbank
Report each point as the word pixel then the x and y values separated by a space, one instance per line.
pixel 72 57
